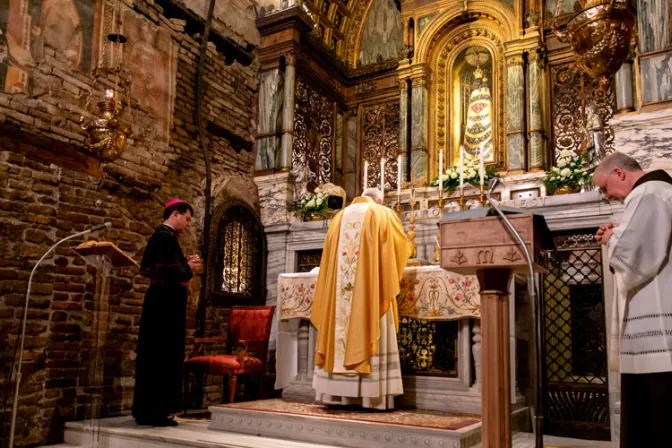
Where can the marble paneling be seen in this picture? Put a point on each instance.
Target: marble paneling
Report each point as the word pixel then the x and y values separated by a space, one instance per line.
pixel 269 118
pixel 654 25
pixel 382 36
pixel 624 88
pixel 656 76
pixel 275 196
pixel 551 7
pixel 419 163
pixel 516 151
pixel 419 116
pixel 536 150
pixel 647 137
pixel 536 125
pixel 515 113
pixel 351 165
pixel 288 116
pixel 423 22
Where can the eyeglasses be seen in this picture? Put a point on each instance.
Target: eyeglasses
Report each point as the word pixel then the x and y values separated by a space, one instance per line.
pixel 604 191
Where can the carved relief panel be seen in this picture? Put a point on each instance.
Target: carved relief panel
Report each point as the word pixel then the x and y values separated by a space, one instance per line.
pixel 580 112
pixel 313 137
pixel 380 138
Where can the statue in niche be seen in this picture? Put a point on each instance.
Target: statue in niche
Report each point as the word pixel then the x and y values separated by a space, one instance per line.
pixel 301 173
pixel 594 136
pixel 474 74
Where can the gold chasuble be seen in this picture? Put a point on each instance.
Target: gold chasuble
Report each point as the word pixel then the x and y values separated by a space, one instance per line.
pixel 355 308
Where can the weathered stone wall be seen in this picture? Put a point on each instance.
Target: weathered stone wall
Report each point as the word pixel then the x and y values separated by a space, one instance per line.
pixel 49 188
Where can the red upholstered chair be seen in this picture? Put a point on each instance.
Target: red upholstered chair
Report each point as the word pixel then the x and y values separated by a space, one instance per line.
pixel 249 329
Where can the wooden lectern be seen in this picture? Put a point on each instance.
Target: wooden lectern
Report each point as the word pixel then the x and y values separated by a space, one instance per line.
pixel 474 242
pixel 104 256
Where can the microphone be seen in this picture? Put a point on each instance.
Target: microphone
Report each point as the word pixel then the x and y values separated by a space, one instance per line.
pixel 105 225
pixel 538 430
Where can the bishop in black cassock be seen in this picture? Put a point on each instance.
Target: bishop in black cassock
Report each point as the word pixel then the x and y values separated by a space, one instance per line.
pixel 158 379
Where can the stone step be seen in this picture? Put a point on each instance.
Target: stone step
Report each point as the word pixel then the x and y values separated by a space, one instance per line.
pixel 122 432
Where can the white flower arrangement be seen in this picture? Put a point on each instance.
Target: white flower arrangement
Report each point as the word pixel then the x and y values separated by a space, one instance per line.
pixel 451 178
pixel 568 171
pixel 311 204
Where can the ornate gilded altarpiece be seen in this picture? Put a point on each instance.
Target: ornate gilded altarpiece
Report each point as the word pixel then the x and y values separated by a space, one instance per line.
pixel 314 116
pixel 380 137
pixel 576 99
pixel 468 99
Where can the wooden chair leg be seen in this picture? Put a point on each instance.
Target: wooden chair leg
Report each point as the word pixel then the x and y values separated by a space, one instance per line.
pixel 233 379
pixel 261 385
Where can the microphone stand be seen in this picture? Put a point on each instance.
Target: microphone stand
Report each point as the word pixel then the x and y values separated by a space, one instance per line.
pixel 22 338
pixel 532 291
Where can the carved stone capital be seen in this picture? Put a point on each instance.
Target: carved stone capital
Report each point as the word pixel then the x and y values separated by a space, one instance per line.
pixel 514 59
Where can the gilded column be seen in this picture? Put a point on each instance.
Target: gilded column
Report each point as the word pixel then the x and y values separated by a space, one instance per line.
pixel 288 112
pixel 535 131
pixel 269 108
pixel 420 124
pixel 515 112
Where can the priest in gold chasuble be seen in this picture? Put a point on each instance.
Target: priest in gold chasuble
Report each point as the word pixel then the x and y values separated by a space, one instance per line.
pixel 355 307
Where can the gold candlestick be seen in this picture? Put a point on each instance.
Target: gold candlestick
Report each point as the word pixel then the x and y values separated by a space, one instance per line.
pixel 482 196
pixel 461 201
pixel 437 248
pixel 411 225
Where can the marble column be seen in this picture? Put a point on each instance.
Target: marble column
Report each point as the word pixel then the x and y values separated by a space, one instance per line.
pixel 515 112
pixel 624 89
pixel 288 112
pixel 419 126
pixel 270 108
pixel 403 127
pixel 535 130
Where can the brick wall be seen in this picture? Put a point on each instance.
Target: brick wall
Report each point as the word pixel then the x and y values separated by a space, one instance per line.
pixel 49 188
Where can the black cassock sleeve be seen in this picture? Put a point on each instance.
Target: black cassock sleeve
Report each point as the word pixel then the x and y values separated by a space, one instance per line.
pixel 163 260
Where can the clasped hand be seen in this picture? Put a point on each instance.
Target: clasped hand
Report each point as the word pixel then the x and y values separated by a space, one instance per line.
pixel 194 262
pixel 604 233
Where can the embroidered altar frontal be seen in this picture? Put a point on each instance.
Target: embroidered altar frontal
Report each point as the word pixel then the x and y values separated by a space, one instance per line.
pixel 427 292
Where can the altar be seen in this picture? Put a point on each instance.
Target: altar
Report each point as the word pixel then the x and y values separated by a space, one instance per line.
pixel 428 293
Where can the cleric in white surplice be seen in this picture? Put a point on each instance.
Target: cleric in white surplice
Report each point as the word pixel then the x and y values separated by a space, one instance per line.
pixel 639 255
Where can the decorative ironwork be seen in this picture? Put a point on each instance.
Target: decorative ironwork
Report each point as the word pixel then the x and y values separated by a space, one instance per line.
pixel 575 349
pixel 239 257
pixel 427 348
pixel 306 260
pixel 572 91
pixel 380 138
pixel 313 131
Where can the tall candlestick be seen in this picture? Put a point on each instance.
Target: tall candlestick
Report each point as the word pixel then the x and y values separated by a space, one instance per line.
pixel 382 174
pixel 399 172
pixel 461 167
pixel 366 175
pixel 440 170
pixel 482 167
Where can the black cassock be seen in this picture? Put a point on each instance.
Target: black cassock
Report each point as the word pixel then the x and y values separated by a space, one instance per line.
pixel 158 377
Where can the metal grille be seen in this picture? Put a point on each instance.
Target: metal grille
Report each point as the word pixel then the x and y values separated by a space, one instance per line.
pixel 239 255
pixel 427 348
pixel 306 260
pixel 575 349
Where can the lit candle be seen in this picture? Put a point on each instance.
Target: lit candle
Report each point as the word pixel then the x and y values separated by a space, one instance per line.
pixel 482 167
pixel 366 174
pixel 399 175
pixel 461 167
pixel 382 174
pixel 440 170
pixel 109 93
